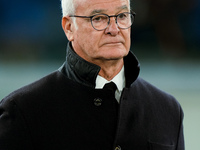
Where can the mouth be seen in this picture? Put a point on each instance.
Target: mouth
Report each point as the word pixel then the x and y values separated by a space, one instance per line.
pixel 113 43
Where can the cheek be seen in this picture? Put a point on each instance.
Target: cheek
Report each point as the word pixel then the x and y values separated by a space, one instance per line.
pixel 92 40
pixel 88 42
pixel 128 39
pixel 128 43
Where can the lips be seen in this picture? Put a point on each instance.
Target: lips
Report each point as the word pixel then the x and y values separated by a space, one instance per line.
pixel 115 41
pixel 112 43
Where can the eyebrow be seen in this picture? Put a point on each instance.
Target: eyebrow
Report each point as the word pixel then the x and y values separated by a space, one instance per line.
pixel 97 11
pixel 124 7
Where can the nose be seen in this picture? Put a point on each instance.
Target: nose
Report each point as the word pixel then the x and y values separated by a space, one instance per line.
pixel 112 28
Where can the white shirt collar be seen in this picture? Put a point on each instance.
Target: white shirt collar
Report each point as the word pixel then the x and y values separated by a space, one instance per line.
pixel 119 80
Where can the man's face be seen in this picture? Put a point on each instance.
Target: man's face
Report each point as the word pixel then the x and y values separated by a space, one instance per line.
pixel 95 46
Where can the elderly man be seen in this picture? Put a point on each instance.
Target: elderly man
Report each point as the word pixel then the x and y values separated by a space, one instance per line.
pixel 95 101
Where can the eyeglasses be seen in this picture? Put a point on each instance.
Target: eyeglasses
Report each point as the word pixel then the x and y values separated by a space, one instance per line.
pixel 101 21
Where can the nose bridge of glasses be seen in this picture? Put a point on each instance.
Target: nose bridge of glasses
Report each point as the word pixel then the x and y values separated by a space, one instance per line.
pixel 114 17
pixel 111 19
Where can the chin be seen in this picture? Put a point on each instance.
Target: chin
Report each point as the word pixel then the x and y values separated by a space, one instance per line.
pixel 115 56
pixel 114 52
pixel 119 52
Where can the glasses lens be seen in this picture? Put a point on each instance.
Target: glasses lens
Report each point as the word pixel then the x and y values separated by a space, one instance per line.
pixel 100 22
pixel 125 20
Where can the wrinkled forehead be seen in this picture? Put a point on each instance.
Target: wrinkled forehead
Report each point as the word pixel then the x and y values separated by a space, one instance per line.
pixel 90 5
pixel 83 1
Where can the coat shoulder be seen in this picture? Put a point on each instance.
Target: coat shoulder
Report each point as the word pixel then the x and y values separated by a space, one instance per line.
pixel 37 89
pixel 142 86
pixel 146 91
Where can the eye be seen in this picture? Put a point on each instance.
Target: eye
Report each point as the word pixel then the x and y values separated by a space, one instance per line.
pixel 99 18
pixel 123 16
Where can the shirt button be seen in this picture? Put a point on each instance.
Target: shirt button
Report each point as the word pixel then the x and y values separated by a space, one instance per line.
pixel 97 102
pixel 118 148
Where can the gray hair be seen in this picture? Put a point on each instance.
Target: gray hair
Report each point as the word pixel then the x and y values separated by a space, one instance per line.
pixel 68 7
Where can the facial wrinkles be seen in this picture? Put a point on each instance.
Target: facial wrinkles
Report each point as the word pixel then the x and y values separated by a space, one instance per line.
pixel 84 7
pixel 99 11
pixel 88 5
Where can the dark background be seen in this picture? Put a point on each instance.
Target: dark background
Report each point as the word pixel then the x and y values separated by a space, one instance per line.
pixel 31 30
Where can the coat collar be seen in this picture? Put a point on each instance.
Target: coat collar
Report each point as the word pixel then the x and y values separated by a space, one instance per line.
pixel 81 71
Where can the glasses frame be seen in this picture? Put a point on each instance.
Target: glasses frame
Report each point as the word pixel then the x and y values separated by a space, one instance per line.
pixel 90 17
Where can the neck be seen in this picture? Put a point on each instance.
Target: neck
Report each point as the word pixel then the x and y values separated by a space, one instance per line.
pixel 111 68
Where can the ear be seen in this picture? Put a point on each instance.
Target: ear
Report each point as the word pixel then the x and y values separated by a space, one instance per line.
pixel 67 24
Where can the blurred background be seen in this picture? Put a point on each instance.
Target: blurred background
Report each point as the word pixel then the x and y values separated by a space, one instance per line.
pixel 165 38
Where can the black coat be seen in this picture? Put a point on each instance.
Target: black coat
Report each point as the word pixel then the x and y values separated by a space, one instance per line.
pixel 63 111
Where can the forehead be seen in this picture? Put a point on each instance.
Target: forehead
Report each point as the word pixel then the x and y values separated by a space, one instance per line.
pixel 106 6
